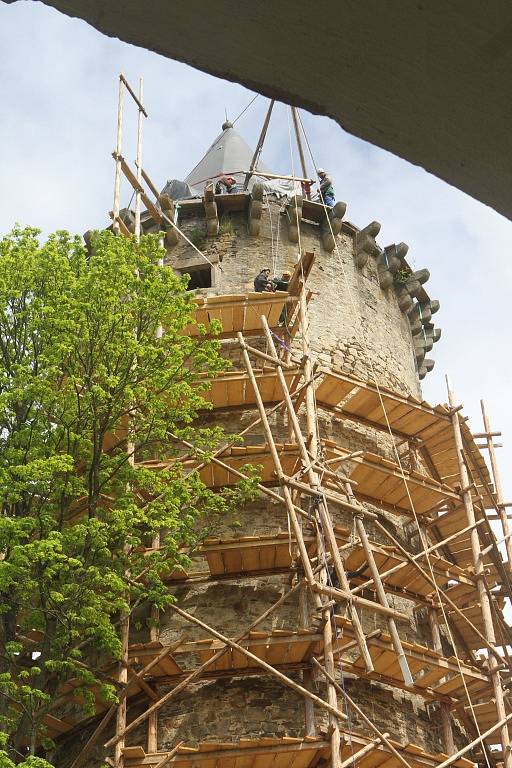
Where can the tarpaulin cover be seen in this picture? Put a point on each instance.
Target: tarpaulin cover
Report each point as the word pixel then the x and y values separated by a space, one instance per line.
pixel 229 155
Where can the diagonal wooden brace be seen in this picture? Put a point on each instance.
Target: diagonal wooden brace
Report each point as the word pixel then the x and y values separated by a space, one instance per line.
pixel 325 517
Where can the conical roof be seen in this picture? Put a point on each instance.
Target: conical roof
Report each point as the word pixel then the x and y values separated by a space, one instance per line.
pixel 228 155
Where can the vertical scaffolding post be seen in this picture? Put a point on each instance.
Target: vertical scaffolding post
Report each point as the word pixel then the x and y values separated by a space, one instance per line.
pixel 117 179
pixel 306 564
pixel 478 565
pixel 309 458
pixel 123 678
pixel 300 149
pixel 259 145
pixel 138 161
pixel 381 593
pixel 304 623
pixel 446 721
pixel 312 439
pixel 502 510
pixel 154 635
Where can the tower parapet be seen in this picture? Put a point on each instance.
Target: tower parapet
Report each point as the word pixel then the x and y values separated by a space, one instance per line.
pixel 371 314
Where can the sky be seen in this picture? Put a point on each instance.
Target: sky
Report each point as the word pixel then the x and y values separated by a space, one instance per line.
pixel 58 91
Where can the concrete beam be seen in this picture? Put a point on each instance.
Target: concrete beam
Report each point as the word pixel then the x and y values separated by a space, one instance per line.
pixel 425 79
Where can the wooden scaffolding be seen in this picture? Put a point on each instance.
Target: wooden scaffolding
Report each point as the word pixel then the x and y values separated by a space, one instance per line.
pixel 451 566
pixel 453 569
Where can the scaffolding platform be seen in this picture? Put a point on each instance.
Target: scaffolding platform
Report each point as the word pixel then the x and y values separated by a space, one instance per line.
pixel 233 388
pixel 252 554
pixel 239 313
pixel 286 752
pixel 409 418
pixel 236 457
pixel 486 716
pixel 277 553
pixel 435 676
pixel 280 647
pixel 448 523
pixel 381 481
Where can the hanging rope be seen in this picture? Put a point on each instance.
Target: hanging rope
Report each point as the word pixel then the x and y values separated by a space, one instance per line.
pixel 245 110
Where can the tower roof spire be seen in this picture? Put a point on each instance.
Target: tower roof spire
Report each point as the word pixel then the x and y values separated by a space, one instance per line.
pixel 228 155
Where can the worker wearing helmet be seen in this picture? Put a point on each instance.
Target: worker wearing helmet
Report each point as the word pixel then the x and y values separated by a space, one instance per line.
pixel 326 193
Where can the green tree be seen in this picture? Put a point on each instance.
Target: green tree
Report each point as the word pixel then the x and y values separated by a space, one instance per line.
pixel 91 394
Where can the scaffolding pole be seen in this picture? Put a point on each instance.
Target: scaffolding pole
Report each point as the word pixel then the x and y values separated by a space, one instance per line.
pixel 300 148
pixel 259 145
pixel 326 523
pixel 119 143
pixel 446 720
pixel 138 161
pixel 478 566
pixel 310 457
pixel 502 510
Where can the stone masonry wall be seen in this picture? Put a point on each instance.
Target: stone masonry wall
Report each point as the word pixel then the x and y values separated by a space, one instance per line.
pixel 354 323
pixel 358 327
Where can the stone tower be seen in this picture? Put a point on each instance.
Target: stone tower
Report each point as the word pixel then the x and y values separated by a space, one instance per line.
pixel 365 517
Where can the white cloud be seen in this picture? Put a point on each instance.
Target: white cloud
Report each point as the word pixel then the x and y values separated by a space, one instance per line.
pixel 58 90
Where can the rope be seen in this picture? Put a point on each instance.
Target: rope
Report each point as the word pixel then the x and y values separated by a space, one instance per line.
pixel 183 235
pixel 245 110
pixel 395 450
pixel 271 234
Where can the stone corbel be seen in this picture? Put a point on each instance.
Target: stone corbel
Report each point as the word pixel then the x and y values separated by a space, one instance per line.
pixel 169 210
pixel 405 300
pixel 416 280
pixel 210 211
pixel 425 368
pixel 365 244
pixel 294 213
pixel 331 226
pixel 255 210
pixel 424 342
pixel 389 262
pixel 421 314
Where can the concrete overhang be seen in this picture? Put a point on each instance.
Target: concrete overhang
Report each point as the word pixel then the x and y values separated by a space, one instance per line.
pixel 429 80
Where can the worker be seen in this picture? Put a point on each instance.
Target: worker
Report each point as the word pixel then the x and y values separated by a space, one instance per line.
pixel 306 188
pixel 262 281
pixel 281 283
pixel 326 193
pixel 225 185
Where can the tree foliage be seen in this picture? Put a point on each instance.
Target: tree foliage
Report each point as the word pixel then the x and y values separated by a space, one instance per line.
pixel 92 397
